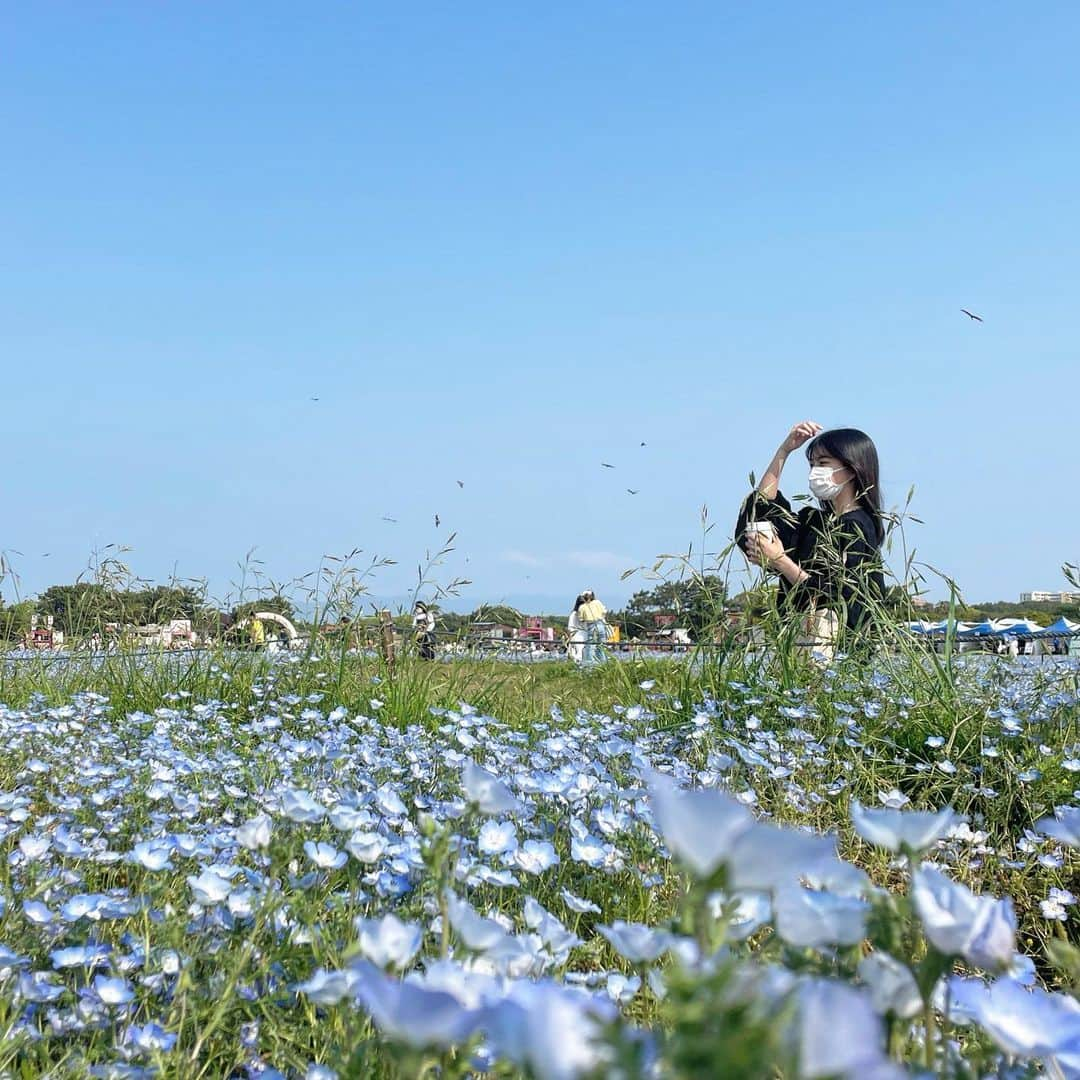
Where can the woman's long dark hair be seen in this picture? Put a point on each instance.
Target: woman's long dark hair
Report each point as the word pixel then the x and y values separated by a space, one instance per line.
pixel 859 454
pixel 579 601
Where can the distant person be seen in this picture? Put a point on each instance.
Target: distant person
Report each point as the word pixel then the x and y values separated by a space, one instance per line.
pixel 424 630
pixel 828 557
pixel 591 615
pixel 575 628
pixel 257 632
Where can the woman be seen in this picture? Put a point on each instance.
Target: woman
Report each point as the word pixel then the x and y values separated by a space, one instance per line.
pixel 591 613
pixel 827 556
pixel 424 629
pixel 575 628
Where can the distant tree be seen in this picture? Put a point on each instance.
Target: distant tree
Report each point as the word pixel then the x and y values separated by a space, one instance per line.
pixel 497 613
pixel 15 621
pixel 697 604
pixel 82 608
pixel 276 603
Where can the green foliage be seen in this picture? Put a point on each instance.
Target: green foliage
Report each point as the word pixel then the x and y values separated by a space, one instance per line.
pixel 697 602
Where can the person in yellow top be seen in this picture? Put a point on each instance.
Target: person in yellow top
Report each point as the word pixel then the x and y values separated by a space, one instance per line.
pixel 591 618
pixel 258 632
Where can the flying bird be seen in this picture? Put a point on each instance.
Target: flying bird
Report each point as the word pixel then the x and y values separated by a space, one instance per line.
pixel 314 399
pixel 606 465
pixel 461 483
pixel 437 522
pixel 642 444
pixel 393 521
pixel 971 315
pixel 631 491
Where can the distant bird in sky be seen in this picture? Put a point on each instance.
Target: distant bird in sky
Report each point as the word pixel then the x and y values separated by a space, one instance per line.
pixel 437 522
pixel 314 399
pixel 606 465
pixel 631 491
pixel 642 444
pixel 461 483
pixel 46 554
pixel 393 521
pixel 971 315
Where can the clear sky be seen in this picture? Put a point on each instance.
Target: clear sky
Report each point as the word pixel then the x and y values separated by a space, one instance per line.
pixel 504 243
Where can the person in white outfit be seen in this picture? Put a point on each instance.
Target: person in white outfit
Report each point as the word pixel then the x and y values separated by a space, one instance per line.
pixel 424 630
pixel 575 628
pixel 591 614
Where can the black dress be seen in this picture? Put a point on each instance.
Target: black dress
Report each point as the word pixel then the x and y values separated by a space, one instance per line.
pixel 840 554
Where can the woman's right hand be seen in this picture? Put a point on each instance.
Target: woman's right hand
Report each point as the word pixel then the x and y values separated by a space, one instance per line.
pixel 800 435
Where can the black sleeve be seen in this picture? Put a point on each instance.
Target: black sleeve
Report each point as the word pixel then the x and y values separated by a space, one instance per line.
pixel 845 570
pixel 756 507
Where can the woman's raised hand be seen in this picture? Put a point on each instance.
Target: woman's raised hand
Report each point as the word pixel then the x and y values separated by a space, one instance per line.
pixel 800 434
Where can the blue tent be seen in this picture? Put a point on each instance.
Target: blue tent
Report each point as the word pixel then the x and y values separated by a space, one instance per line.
pixel 1061 628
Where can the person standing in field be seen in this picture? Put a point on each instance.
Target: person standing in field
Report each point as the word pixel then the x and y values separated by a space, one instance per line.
pixel 827 557
pixel 591 615
pixel 575 644
pixel 257 632
pixel 424 629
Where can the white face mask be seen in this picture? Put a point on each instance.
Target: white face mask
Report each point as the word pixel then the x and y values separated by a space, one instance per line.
pixel 822 485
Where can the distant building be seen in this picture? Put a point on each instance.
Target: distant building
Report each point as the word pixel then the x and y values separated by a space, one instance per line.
pixel 533 629
pixel 1050 598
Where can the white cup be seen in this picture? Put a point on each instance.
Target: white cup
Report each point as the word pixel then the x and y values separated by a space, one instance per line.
pixel 762 528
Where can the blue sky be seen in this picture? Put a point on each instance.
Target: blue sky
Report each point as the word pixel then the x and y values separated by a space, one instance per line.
pixel 502 244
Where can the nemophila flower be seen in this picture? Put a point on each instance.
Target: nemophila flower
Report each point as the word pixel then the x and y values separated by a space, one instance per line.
pixel 37 986
pixel 389 942
pixel 552 1032
pixel 87 956
pixel 497 837
pixel 255 833
pixel 37 912
pixel 535 856
pixel 1024 1023
pixel 149 1038
pixel 622 988
pixel 208 888
pixel 389 801
pixel 891 984
pixel 1063 826
pixel 489 794
pixel 577 905
pixel 808 918
pixel 636 942
pixel 551 931
pixel 152 855
pixel 980 929
pixel 411 1013
pixel 699 827
pixel 112 991
pixel 477 932
pixel 325 856
pixel 910 831
pixel 328 987
pixel 766 857
pixel 839 1034
pixel 592 851
pixel 366 847
pixel 300 807
pixel 34 847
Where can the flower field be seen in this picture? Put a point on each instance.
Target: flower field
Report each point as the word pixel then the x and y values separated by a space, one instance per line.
pixel 314 867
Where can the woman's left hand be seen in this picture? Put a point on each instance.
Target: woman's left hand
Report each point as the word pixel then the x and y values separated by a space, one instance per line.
pixel 764 549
